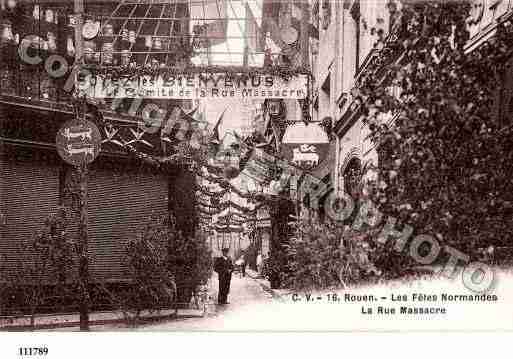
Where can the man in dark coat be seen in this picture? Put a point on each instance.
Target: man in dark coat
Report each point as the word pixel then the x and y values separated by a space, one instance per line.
pixel 224 268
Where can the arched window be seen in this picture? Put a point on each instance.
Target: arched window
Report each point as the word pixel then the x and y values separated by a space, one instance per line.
pixel 352 177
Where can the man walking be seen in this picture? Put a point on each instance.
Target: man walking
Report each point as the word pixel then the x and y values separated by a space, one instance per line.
pixel 259 263
pixel 224 268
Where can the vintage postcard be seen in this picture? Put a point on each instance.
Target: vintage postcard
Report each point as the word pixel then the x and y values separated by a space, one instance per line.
pixel 255 166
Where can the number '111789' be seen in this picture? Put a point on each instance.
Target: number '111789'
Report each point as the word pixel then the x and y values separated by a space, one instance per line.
pixel 32 351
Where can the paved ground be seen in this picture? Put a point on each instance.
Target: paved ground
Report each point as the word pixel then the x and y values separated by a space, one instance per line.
pixel 246 294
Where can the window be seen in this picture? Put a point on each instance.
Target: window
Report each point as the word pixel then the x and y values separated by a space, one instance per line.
pixel 326 14
pixel 355 14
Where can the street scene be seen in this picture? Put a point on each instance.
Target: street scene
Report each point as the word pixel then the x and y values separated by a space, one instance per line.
pixel 246 165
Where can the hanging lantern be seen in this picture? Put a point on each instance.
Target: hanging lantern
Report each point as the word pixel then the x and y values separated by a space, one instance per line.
pixel 125 57
pixel 6 78
pixel 131 36
pixel 275 108
pixel 90 29
pixel 108 30
pixel 165 44
pixel 148 42
pixel 49 15
pixel 155 64
pixel 45 88
pixel 37 12
pixel 124 34
pixel 6 32
pixel 157 43
pixel 231 164
pixel 70 47
pixel 52 41
pixel 89 50
pixel 108 53
pixel 11 4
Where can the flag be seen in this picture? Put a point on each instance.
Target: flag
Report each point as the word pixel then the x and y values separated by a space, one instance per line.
pixel 254 40
pixel 216 138
pixel 209 21
pixel 272 9
pixel 297 15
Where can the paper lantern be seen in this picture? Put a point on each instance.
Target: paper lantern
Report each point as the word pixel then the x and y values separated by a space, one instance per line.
pixel 131 36
pixel 6 32
pixel 108 30
pixel 52 41
pixel 49 15
pixel 125 57
pixel 275 107
pixel 124 34
pixel 148 42
pixel 36 13
pixel 70 47
pixel 108 53
pixel 89 49
pixel 157 43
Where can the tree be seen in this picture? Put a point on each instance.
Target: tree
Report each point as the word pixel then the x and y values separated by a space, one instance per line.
pixel 445 153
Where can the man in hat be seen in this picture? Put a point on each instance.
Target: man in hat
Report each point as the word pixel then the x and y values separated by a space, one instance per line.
pixel 224 267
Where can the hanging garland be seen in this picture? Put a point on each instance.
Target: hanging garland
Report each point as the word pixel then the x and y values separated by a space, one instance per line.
pixel 206 192
pixel 233 72
pixel 207 212
pixel 227 204
pixel 228 220
pixel 223 183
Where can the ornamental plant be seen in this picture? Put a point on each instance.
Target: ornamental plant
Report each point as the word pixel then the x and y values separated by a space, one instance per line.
pixel 322 255
pixel 190 262
pixel 45 271
pixel 152 285
pixel 437 114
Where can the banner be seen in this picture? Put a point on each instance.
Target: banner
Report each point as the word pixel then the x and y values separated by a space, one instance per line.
pixel 196 86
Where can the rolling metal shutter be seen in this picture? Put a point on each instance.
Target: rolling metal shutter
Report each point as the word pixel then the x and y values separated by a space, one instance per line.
pixel 120 203
pixel 29 193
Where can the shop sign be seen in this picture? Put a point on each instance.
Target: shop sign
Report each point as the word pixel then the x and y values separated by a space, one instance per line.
pixel 305 145
pixel 78 142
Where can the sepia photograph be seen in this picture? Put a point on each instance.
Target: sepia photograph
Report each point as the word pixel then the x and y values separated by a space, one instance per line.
pixel 255 166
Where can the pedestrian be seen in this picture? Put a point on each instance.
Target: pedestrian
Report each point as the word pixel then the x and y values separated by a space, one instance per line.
pixel 259 262
pixel 224 267
pixel 243 264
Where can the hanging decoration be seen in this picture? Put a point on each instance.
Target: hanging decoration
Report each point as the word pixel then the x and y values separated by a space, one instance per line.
pixel 90 29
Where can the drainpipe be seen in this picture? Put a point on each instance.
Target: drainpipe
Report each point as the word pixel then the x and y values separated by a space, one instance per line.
pixel 338 84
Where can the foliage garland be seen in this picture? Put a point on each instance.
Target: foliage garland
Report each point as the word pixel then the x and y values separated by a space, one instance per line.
pixel 235 72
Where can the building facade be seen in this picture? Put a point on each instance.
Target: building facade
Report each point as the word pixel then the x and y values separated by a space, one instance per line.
pixel 34 180
pixel 348 38
pixel 350 32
